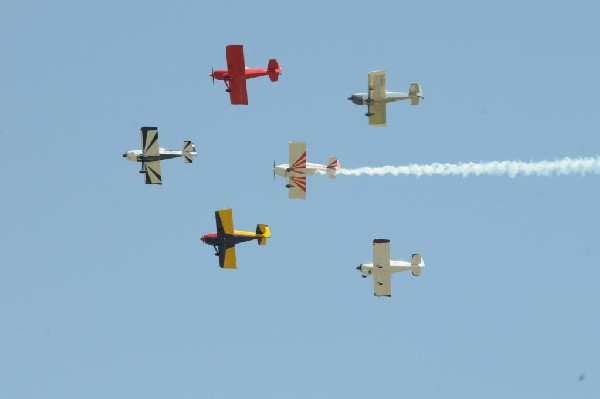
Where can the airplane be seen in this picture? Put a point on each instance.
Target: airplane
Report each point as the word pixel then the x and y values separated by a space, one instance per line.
pixel 377 97
pixel 225 239
pixel 296 171
pixel 382 267
pixel 151 154
pixel 236 73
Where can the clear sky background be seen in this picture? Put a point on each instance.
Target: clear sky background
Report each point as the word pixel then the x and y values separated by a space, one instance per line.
pixel 107 292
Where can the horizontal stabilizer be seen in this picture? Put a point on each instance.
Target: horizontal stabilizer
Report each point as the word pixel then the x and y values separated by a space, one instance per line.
pixel 332 167
pixel 416 260
pixel 274 70
pixel 415 100
pixel 414 89
pixel 263 232
pixel 416 264
pixel 188 152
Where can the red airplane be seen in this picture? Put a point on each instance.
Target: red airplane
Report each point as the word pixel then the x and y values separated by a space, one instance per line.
pixel 236 74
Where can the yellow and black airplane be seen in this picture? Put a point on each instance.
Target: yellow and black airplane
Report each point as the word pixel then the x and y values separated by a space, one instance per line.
pixel 225 239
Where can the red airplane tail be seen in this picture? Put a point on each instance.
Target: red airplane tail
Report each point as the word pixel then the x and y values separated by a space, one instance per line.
pixel 274 70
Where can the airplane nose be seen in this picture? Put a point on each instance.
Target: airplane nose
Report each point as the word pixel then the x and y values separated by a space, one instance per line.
pixel 358 267
pixel 124 155
pixel 202 238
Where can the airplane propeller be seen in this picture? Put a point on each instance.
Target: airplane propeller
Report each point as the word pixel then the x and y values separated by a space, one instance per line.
pixel 213 75
pixel 273 169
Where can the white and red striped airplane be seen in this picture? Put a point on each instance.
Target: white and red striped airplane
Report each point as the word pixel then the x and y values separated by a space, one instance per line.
pixel 298 169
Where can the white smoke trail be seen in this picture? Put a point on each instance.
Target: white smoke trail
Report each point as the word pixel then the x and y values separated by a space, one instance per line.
pixel 565 166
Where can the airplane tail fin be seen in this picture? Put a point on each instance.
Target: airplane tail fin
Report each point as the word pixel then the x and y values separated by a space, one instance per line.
pixel 189 151
pixel 262 232
pixel 332 166
pixel 274 70
pixel 416 264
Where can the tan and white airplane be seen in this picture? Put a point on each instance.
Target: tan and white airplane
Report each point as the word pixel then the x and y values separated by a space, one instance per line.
pixel 377 97
pixel 151 154
pixel 383 267
pixel 298 169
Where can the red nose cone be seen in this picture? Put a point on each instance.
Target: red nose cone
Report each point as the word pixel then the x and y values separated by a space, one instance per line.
pixel 202 238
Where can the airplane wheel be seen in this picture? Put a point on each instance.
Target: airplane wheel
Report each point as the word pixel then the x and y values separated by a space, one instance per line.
pixel 364 276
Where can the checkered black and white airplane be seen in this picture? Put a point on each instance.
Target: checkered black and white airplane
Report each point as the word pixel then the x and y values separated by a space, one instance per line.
pixel 383 267
pixel 151 154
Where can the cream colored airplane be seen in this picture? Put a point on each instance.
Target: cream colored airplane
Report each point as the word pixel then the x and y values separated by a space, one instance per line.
pixel 382 267
pixel 377 97
pixel 296 171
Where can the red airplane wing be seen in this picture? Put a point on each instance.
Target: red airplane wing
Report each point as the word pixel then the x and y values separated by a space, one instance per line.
pixel 236 66
pixel 237 91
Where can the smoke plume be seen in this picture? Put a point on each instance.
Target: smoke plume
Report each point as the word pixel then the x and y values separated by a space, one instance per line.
pixel 565 166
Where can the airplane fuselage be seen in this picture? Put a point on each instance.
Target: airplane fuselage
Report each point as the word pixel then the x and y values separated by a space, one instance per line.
pixel 390 96
pixel 136 155
pixel 395 266
pixel 228 239
pixel 284 170
pixel 223 74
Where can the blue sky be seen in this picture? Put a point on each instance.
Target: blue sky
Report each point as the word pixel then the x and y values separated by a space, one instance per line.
pixel 107 292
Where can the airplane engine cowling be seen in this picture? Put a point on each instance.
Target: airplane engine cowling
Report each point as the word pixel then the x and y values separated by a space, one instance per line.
pixel 358 100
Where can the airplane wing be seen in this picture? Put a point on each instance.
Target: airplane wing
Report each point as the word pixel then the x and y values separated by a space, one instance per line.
pixel 383 284
pixel 238 95
pixel 224 219
pixel 297 187
pixel 381 252
pixel 378 110
pixel 382 277
pixel 377 85
pixel 152 174
pixel 297 155
pixel 227 258
pixel 236 66
pixel 150 146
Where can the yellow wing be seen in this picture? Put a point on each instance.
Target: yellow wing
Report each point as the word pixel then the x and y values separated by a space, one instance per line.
pixel 227 259
pixel 224 219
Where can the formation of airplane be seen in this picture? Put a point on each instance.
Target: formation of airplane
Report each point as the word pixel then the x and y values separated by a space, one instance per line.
pixel 236 74
pixel 226 238
pixel 295 172
pixel 298 169
pixel 377 97
pixel 151 154
pixel 383 267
